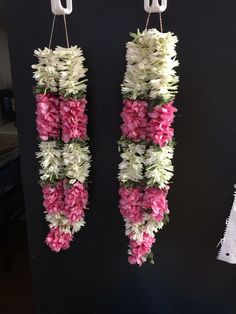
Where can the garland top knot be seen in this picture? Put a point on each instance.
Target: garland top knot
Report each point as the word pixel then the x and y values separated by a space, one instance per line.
pixel 151 59
pixel 61 71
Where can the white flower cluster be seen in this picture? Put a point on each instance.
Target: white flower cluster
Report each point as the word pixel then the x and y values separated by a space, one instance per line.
pixel 76 160
pixel 135 231
pixel 155 160
pixel 61 221
pixel 72 72
pixel 71 161
pixel 131 167
pixel 50 161
pixel 61 70
pixel 158 164
pixel 45 72
pixel 151 59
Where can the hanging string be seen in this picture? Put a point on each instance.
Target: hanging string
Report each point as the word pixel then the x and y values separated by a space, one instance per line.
pixel 66 31
pixel 161 22
pixel 52 31
pixel 160 19
pixel 148 19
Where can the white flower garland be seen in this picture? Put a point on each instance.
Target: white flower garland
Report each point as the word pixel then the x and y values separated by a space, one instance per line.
pixel 158 164
pixel 150 66
pixel 61 70
pixel 135 231
pixel 72 72
pixel 131 167
pixel 72 161
pixel 50 161
pixel 76 159
pixel 61 221
pixel 156 160
pixel 45 72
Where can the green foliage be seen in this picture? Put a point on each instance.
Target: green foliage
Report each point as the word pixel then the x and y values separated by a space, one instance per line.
pixel 166 219
pixel 150 257
pixel 78 96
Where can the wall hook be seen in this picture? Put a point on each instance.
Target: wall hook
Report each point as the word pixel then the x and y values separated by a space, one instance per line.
pixel 155 7
pixel 58 9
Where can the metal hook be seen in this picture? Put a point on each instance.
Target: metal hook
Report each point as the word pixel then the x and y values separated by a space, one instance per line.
pixel 155 7
pixel 58 9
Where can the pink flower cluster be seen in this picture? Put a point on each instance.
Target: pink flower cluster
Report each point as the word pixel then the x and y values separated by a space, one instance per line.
pixel 54 113
pixel 48 120
pixel 68 201
pixel 73 119
pixel 76 199
pixel 131 204
pixel 159 129
pixel 135 201
pixel 54 198
pixel 58 240
pixel 60 117
pixel 139 124
pixel 134 116
pixel 154 127
pixel 155 200
pixel 139 251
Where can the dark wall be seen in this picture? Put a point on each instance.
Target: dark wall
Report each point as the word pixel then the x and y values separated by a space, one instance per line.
pixel 94 275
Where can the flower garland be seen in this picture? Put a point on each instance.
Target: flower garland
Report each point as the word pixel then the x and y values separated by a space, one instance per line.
pixel 64 154
pixel 146 145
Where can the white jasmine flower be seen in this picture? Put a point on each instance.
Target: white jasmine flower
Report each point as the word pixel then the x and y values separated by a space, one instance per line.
pixel 61 70
pixel 150 66
pixel 131 167
pixel 76 226
pixel 72 72
pixel 45 72
pixel 152 226
pixel 158 163
pixel 135 231
pixel 76 159
pixel 59 220
pixel 50 160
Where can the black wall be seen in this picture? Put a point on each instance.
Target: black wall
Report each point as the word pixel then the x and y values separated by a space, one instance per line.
pixel 94 275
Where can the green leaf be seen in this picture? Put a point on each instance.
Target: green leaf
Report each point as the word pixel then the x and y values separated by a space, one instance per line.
pixel 150 257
